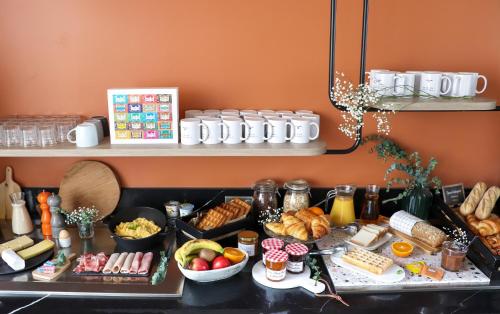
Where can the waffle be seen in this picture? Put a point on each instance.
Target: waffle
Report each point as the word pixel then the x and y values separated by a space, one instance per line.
pixel 367 260
pixel 219 215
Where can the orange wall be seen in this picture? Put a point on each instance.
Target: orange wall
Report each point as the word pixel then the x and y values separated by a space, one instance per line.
pixel 60 57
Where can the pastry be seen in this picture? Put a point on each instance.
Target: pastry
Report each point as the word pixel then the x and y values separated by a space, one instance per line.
pixel 473 222
pixel 276 227
pixel 319 227
pixel 428 234
pixel 290 220
pixel 487 203
pixel 297 230
pixel 494 241
pixel 488 227
pixel 306 216
pixel 367 260
pixel 475 195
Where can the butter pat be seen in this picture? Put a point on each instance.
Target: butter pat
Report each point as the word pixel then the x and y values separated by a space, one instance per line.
pixel 13 260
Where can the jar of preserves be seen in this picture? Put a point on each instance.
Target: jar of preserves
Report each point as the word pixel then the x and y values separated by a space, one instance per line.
pixel 247 241
pixel 271 244
pixel 265 200
pixel 296 196
pixel 296 257
pixel 276 265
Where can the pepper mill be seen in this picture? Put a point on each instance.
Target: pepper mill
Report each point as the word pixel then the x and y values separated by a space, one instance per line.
pixel 56 220
pixel 45 208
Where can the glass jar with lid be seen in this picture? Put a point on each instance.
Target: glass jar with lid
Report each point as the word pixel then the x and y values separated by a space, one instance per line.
pixel 265 200
pixel 296 196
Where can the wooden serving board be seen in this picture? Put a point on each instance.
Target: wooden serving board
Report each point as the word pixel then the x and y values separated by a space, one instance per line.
pixel 90 183
pixel 7 187
pixel 59 271
pixel 422 245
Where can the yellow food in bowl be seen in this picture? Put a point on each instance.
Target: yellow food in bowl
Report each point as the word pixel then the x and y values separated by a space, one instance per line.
pixel 137 229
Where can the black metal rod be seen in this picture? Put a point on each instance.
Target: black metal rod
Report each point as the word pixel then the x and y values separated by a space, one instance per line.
pixel 331 73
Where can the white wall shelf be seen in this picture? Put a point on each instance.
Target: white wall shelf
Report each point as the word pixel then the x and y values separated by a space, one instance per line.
pixel 438 104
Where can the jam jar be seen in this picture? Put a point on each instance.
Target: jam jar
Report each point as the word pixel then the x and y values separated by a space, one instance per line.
pixel 296 196
pixel 296 257
pixel 265 199
pixel 276 265
pixel 271 244
pixel 248 241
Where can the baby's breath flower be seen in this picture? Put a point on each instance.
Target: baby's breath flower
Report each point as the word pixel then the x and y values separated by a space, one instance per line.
pixel 81 215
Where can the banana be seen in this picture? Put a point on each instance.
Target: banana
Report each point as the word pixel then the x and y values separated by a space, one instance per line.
pixel 193 247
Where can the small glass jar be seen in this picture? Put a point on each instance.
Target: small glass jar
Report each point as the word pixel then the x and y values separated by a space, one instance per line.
pixel 453 255
pixel 371 205
pixel 296 196
pixel 85 230
pixel 271 244
pixel 265 200
pixel 296 257
pixel 247 241
pixel 276 265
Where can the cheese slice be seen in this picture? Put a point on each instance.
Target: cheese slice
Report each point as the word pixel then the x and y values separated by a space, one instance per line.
pixel 36 249
pixel 17 244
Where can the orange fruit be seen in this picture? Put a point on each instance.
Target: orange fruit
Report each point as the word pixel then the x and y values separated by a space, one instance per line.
pixel 234 255
pixel 402 249
pixel 317 211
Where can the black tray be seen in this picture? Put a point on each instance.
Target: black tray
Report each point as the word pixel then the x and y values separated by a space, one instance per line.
pixel 30 263
pixel 101 274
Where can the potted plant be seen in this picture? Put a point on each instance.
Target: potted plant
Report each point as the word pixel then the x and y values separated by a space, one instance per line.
pixel 84 218
pixel 417 197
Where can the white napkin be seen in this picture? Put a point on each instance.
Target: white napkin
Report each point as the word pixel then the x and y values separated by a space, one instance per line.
pixel 13 260
pixel 403 222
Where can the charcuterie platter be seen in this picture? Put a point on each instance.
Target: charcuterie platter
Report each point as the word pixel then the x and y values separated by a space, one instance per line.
pixel 125 264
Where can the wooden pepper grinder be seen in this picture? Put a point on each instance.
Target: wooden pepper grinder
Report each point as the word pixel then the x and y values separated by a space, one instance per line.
pixel 42 198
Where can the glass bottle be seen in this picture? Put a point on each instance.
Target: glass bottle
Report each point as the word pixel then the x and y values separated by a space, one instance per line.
pixel 296 196
pixel 342 212
pixel 371 204
pixel 265 200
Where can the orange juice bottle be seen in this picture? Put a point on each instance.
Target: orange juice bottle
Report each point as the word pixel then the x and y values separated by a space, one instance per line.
pixel 342 212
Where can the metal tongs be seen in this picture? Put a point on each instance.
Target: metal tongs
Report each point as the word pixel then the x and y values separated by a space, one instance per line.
pixel 334 250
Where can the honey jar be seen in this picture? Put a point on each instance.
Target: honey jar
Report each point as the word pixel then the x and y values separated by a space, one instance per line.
pixel 296 257
pixel 276 265
pixel 247 241
pixel 271 244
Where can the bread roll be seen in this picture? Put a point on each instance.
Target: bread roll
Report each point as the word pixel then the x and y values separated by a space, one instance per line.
pixel 487 203
pixel 470 203
pixel 428 234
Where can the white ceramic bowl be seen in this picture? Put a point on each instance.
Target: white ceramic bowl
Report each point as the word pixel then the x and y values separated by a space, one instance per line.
pixel 215 274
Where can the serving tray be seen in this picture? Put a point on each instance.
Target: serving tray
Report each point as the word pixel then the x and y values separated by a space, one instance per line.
pixel 30 263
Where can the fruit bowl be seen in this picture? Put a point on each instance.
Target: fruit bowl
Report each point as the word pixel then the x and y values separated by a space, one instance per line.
pixel 214 274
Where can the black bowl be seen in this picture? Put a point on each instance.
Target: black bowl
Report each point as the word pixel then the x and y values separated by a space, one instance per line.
pixel 137 245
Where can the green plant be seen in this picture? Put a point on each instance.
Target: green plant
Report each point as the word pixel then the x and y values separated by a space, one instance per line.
pixel 83 215
pixel 418 175
pixel 315 268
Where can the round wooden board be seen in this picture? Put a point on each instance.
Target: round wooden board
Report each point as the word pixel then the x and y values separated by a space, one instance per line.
pixel 90 183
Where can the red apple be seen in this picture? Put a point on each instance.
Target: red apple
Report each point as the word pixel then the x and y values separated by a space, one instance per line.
pixel 199 264
pixel 220 262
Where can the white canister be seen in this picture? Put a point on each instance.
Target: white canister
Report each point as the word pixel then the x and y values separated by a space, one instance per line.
pixel 191 131
pixel 256 130
pixel 277 130
pixel 235 130
pixel 302 130
pixel 212 134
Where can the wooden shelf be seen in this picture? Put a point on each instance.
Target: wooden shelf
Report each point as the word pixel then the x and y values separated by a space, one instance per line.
pixel 169 150
pixel 438 104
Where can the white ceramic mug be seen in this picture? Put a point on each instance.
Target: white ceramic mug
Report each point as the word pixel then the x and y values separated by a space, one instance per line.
pixel 302 130
pixel 383 82
pixel 256 130
pixel 212 112
pixel 473 87
pixel 98 125
pixel 265 111
pixel 404 84
pixel 248 112
pixel 303 111
pixel 213 132
pixel 314 118
pixel 235 130
pixel 192 113
pixel 417 74
pixel 191 133
pixel 288 117
pixel 86 135
pixel 277 130
pixel 230 112
pixel 282 112
pixel 434 84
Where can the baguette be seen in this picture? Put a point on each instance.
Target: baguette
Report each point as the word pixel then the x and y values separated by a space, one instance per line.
pixel 470 203
pixel 487 203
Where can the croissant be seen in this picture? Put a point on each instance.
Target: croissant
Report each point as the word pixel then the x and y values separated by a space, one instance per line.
pixel 472 221
pixel 289 220
pixel 470 203
pixel 319 227
pixel 306 216
pixel 276 227
pixel 487 203
pixel 297 230
pixel 488 227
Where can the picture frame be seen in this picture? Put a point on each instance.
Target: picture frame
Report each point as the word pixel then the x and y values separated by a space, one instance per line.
pixel 143 115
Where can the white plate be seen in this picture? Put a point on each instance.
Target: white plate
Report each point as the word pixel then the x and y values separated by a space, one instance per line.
pixel 394 274
pixel 375 244
pixel 290 281
pixel 215 274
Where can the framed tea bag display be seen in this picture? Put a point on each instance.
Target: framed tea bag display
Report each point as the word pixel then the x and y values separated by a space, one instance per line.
pixel 143 115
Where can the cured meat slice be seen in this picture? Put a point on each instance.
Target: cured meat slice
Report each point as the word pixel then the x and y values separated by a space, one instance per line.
pixel 119 263
pixel 91 263
pixel 145 263
pixel 111 261
pixel 136 263
pixel 128 262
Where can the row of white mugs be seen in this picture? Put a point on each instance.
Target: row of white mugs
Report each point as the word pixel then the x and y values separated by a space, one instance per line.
pixel 232 126
pixel 425 83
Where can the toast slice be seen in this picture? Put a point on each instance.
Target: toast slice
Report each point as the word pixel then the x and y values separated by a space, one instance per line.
pixel 364 238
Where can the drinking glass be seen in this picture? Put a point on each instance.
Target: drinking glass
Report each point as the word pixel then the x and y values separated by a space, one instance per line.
pixel 62 129
pixel 47 135
pixel 29 134
pixel 2 134
pixel 453 255
pixel 12 135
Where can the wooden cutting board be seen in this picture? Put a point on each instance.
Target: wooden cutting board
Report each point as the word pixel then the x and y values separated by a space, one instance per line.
pixel 59 271
pixel 90 183
pixel 6 187
pixel 422 245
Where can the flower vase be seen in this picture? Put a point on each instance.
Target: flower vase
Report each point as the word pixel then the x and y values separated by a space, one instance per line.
pixel 86 230
pixel 418 202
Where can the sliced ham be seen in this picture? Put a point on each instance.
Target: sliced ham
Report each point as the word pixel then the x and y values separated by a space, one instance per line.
pixel 91 263
pixel 119 263
pixel 128 262
pixel 145 263
pixel 136 263
pixel 109 265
